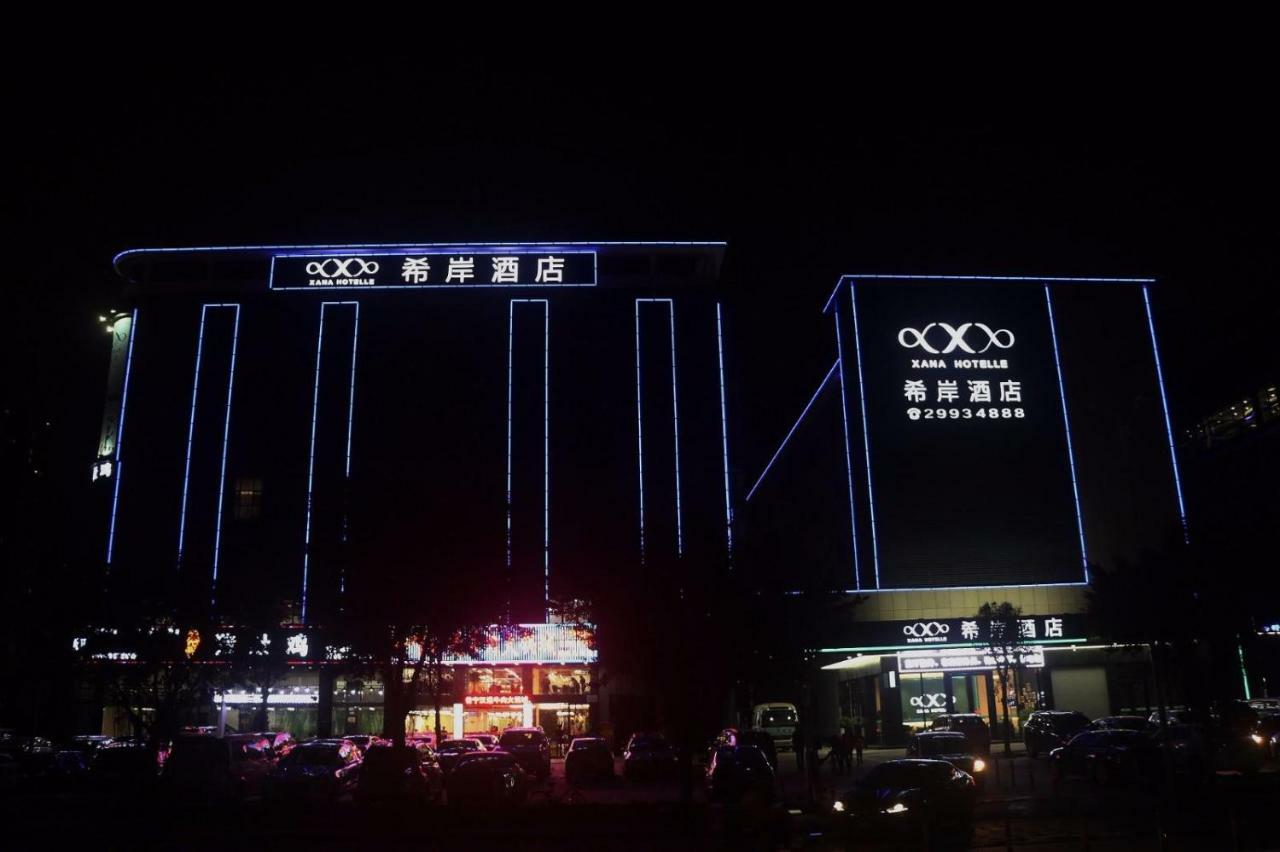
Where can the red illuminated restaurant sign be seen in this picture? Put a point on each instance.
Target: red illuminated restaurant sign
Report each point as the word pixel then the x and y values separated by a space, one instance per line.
pixel 495 700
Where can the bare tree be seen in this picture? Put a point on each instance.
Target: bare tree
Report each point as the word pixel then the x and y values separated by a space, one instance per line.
pixel 1005 643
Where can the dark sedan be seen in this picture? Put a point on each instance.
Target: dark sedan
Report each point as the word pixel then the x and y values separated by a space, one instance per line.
pixel 1106 755
pixel 1122 723
pixel 319 769
pixel 909 796
pixel 738 773
pixel 951 746
pixel 451 750
pixel 1046 730
pixel 530 748
pixel 589 759
pixel 648 756
pixel 398 774
pixel 486 779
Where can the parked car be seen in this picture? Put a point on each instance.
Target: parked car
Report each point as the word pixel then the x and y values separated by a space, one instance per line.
pixel 398 774
pixel 530 748
pixel 451 750
pixel 951 746
pixel 589 759
pixel 1121 723
pixel 1046 730
pixel 318 769
pixel 126 770
pixel 739 772
pixel 648 756
pixel 489 741
pixel 280 742
pixel 87 744
pixel 487 779
pixel 1106 755
pixel 973 726
pixel 903 796
pixel 1182 716
pixel 751 737
pixel 206 768
pixel 365 741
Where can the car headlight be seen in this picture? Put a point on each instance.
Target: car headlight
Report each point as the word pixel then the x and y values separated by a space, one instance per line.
pixel 1257 738
pixel 979 765
pixel 838 807
pixel 897 808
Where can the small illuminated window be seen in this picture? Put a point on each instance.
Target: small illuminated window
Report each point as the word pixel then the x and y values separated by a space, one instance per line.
pixel 248 499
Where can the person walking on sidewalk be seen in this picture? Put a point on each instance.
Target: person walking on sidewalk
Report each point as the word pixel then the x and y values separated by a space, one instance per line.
pixel 859 742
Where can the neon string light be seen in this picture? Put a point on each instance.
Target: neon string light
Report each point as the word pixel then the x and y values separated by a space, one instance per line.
pixel 675 424
pixel 1077 584
pixel 1066 425
pixel 1036 278
pixel 724 439
pixel 848 457
pixel 191 428
pixel 222 471
pixel 479 248
pixel 640 435
pixel 124 400
pixel 866 439
pixel 794 426
pixel 1168 424
pixel 311 455
pixel 546 440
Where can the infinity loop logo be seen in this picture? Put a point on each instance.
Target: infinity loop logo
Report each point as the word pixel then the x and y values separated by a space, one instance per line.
pixel 921 629
pixel 351 267
pixel 931 701
pixel 911 338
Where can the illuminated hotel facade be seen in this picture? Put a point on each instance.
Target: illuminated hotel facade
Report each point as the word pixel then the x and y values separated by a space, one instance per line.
pixel 976 439
pixel 314 427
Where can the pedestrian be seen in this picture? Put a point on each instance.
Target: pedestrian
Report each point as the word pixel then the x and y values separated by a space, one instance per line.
pixel 847 740
pixel 798 745
pixel 837 755
pixel 859 743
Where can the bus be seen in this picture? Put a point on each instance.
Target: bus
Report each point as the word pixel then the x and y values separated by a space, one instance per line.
pixel 778 719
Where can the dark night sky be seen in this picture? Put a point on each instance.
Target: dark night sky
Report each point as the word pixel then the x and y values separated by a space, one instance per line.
pixel 872 164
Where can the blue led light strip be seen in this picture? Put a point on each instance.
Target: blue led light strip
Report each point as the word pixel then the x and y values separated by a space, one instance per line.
pixel 222 469
pixel 191 428
pixel 311 455
pixel 1066 425
pixel 1168 424
pixel 675 424
pixel 1038 279
pixel 724 439
pixel 794 426
pixel 546 440
pixel 866 439
pixel 639 435
pixel 848 456
pixel 124 399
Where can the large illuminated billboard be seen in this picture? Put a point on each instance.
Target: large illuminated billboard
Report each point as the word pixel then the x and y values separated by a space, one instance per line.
pixel 1000 431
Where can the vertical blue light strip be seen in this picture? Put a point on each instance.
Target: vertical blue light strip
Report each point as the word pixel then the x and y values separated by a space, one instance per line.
pixel 351 393
pixel 124 400
pixel 222 471
pixel 311 454
pixel 546 459
pixel 675 426
pixel 640 434
pixel 311 467
pixel 724 439
pixel 546 441
pixel 191 429
pixel 848 456
pixel 866 440
pixel 1066 425
pixel 1168 424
